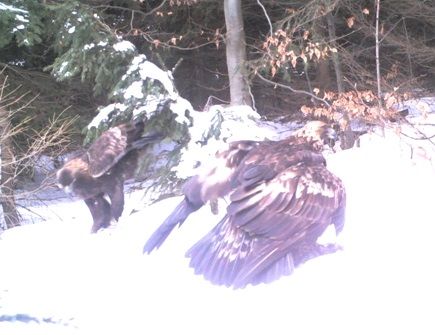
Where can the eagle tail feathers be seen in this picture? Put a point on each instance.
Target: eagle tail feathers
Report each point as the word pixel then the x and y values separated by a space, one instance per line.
pixel 177 217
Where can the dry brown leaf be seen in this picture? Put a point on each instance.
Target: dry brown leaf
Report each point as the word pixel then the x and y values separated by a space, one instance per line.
pixel 350 21
pixel 273 71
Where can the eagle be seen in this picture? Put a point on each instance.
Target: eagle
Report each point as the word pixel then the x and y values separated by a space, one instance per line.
pixel 281 197
pixel 103 168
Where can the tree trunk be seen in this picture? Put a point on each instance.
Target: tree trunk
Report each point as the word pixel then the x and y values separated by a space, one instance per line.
pixel 7 174
pixel 378 62
pixel 335 59
pixel 236 53
pixel 323 75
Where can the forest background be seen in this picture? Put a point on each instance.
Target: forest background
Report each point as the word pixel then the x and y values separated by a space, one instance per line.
pixel 63 62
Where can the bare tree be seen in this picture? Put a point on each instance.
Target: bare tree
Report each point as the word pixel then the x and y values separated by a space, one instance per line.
pixel 335 58
pixel 51 138
pixel 378 67
pixel 236 53
pixel 7 198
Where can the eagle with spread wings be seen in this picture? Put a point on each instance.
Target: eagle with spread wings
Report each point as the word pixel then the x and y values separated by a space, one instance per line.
pixel 103 168
pixel 282 198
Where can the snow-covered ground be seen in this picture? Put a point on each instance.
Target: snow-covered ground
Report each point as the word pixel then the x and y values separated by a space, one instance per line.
pixel 56 278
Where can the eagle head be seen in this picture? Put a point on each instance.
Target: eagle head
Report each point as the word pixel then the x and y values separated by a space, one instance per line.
pixel 318 133
pixel 74 171
pixel 65 178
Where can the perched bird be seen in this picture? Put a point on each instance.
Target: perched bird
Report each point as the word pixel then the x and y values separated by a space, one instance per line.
pixel 282 198
pixel 103 168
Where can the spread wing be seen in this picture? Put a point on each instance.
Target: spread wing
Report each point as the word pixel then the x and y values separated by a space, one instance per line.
pixel 281 203
pixel 106 151
pixel 290 211
pixel 115 143
pixel 287 204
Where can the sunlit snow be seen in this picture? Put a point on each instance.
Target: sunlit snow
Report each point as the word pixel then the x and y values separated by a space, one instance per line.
pixel 12 8
pixel 124 46
pixel 21 18
pixel 381 283
pixel 19 27
pixel 89 46
pixel 134 90
pixel 104 114
pixel 149 70
pixel 62 68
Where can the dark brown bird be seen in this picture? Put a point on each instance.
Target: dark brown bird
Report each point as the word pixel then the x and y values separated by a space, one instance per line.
pixel 102 170
pixel 282 198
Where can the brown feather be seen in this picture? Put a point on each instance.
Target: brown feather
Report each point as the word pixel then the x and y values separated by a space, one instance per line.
pixel 282 198
pixel 102 170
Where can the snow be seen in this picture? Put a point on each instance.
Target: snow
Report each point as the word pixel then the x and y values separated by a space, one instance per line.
pixel 12 8
pixel 62 68
pixel 88 46
pixel 19 26
pixel 148 70
pixel 104 114
pixel 124 46
pixel 134 90
pixel 179 107
pixel 74 282
pixel 21 18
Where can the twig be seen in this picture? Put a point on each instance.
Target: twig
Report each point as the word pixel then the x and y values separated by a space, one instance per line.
pixel 267 17
pixel 152 41
pixel 134 10
pixel 177 64
pixel 424 136
pixel 293 90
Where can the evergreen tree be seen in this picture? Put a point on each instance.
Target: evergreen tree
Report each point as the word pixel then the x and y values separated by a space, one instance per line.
pixel 81 44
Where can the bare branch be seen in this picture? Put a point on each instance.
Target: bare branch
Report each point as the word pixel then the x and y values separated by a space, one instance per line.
pixel 133 11
pixel 287 87
pixel 267 17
